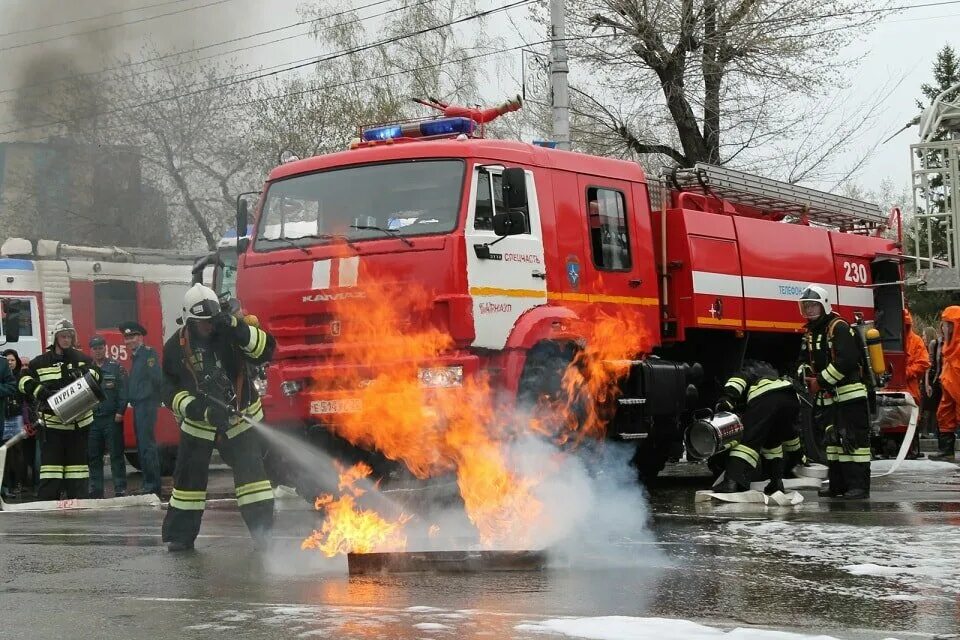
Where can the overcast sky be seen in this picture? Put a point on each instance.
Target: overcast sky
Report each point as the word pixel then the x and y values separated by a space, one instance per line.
pixel 902 48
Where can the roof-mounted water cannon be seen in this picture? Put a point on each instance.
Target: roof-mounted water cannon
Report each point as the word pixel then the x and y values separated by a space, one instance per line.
pixel 457 121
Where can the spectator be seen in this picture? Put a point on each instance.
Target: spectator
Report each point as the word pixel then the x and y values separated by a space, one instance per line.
pixel 107 429
pixel 143 391
pixel 932 390
pixel 12 404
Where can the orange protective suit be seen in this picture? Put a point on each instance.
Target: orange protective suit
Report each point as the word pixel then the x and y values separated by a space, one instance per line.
pixel 918 359
pixel 948 413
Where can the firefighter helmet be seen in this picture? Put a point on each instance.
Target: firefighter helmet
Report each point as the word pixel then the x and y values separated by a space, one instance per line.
pixel 200 303
pixel 63 326
pixel 817 294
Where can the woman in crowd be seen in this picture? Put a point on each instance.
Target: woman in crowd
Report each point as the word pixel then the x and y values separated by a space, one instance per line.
pixel 15 420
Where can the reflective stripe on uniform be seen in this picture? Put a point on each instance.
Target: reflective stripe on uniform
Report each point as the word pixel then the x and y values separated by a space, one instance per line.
pixel 861 454
pixel 254 492
pixel 744 452
pixel 764 386
pixel 76 471
pixel 739 384
pixel 257 343
pixel 51 471
pixel 200 430
pixel 237 429
pixel 53 422
pixel 772 454
pixel 833 453
pixel 790 446
pixel 188 500
pixel 831 374
pixel 180 402
pixel 851 392
pixel 45 374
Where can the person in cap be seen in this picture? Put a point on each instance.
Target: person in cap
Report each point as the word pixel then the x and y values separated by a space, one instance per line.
pixel 63 448
pixel 144 389
pixel 206 368
pixel 106 432
pixel 830 367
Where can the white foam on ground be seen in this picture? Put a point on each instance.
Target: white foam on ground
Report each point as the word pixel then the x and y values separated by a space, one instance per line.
pixel 916 466
pixel 629 628
pixel 431 626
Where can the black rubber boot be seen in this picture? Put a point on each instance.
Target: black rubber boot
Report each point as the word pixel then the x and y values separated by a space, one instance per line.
pixel 855 494
pixel 948 447
pixel 776 467
pixel 829 493
pixel 729 485
pixel 177 547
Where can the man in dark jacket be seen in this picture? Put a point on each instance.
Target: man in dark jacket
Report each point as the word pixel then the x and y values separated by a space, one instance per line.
pixel 208 387
pixel 144 388
pixel 63 448
pixel 107 429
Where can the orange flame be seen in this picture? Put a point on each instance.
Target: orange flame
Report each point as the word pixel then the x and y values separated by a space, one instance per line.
pixel 349 529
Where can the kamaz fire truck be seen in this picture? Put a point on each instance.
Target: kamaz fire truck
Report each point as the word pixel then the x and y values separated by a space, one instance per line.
pixel 513 240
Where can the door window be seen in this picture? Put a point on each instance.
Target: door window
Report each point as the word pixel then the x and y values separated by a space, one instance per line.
pixel 114 301
pixel 607 216
pixel 22 308
pixel 490 201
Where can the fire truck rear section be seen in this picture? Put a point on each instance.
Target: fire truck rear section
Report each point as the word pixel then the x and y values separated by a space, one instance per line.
pixel 516 242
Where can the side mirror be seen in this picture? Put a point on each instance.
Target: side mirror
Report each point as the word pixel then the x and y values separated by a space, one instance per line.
pixel 212 258
pixel 515 188
pixel 509 223
pixel 242 216
pixel 11 320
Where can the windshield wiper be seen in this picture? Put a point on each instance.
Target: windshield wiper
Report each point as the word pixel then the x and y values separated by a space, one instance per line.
pixel 323 236
pixel 392 234
pixel 342 237
pixel 289 242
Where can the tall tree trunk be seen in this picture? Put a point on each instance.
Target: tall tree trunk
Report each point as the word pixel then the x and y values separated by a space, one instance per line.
pixel 712 79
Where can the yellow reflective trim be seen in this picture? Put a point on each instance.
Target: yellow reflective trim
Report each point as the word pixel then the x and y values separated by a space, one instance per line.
pixel 745 453
pixel 482 292
pixel 198 433
pixel 831 374
pixel 590 297
pixel 792 445
pixel 181 400
pixel 737 383
pixel 236 430
pixel 189 494
pixel 76 475
pixel 771 454
pixel 257 496
pixel 51 472
pixel 187 505
pixel 250 487
pixel 763 386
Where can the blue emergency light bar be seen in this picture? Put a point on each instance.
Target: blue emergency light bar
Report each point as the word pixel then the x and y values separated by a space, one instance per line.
pixel 427 129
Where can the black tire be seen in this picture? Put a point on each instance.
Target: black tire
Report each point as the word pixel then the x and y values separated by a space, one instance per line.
pixel 167 455
pixel 542 378
pixel 133 458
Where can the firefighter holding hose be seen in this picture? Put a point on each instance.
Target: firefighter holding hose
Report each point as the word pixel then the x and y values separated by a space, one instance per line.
pixel 209 389
pixel 768 406
pixel 830 367
pixel 63 445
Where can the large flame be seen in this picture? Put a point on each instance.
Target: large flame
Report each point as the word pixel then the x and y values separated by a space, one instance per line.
pixel 464 430
pixel 350 529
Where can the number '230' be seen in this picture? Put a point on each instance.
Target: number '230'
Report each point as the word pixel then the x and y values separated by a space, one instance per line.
pixel 853 272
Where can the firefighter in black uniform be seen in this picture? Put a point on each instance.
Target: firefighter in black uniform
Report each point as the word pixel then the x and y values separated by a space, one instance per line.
pixel 208 387
pixel 63 448
pixel 830 366
pixel 768 407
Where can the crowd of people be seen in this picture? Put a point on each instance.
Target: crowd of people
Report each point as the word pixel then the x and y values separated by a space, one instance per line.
pixel 66 460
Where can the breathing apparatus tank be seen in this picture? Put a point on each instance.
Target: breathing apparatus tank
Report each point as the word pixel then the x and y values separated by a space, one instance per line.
pixel 875 351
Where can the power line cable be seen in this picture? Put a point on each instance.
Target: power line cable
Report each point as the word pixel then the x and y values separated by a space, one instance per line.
pixel 99 17
pixel 286 69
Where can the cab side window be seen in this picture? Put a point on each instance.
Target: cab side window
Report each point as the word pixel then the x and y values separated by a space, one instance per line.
pixel 490 201
pixel 607 218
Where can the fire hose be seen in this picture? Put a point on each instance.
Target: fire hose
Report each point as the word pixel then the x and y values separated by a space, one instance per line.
pixel 899 399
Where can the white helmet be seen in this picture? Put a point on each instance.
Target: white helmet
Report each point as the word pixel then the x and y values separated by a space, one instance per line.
pixel 815 293
pixel 200 303
pixel 63 326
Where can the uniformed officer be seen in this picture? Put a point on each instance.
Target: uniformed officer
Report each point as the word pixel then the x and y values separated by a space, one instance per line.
pixel 107 428
pixel 830 365
pixel 63 448
pixel 145 386
pixel 208 386
pixel 768 406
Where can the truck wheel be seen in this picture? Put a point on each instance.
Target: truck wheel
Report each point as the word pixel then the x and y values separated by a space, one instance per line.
pixel 541 384
pixel 167 455
pixel 649 460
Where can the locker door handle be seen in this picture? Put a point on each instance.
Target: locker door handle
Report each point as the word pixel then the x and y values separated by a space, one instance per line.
pixel 539 274
pixel 635 283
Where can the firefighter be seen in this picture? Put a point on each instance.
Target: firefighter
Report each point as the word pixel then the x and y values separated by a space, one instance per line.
pixel 918 359
pixel 768 406
pixel 208 386
pixel 145 386
pixel 63 448
pixel 948 413
pixel 830 367
pixel 107 429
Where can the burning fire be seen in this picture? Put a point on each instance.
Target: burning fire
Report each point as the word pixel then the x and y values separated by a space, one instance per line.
pixel 464 431
pixel 349 529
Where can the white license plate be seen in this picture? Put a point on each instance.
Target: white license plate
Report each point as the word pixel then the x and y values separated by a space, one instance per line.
pixel 326 407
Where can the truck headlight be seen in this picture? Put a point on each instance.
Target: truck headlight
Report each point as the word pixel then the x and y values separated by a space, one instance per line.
pixel 440 377
pixel 291 387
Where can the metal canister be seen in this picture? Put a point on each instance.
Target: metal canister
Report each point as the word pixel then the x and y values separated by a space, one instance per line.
pixel 75 399
pixel 708 436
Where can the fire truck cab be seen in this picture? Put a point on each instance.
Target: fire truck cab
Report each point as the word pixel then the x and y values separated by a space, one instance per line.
pixel 513 241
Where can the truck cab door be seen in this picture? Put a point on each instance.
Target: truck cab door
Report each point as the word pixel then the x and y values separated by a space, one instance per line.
pixel 507 278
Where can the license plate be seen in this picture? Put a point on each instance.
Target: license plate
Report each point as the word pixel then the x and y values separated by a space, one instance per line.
pixel 327 407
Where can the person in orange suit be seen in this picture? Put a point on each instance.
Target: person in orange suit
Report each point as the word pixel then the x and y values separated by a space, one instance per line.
pixel 918 359
pixel 948 413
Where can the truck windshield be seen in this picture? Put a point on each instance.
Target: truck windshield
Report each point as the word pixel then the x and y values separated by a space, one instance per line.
pixel 399 198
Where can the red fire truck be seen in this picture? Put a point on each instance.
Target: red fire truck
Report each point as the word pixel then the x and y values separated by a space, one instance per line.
pixel 97 288
pixel 709 260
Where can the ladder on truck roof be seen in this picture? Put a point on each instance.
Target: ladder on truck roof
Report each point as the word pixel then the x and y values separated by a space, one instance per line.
pixel 773 196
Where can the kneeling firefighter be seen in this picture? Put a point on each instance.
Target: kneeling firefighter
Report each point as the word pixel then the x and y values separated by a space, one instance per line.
pixel 63 443
pixel 208 387
pixel 830 363
pixel 768 407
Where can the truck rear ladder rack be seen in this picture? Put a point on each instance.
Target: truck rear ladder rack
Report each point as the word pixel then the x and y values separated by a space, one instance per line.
pixel 773 196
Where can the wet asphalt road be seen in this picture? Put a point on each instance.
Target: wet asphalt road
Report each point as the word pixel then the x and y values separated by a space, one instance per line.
pixel 885 568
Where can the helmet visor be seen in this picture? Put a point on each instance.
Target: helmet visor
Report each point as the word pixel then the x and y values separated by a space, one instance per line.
pixel 811 309
pixel 205 309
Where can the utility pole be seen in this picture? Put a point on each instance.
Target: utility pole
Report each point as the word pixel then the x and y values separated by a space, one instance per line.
pixel 558 75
